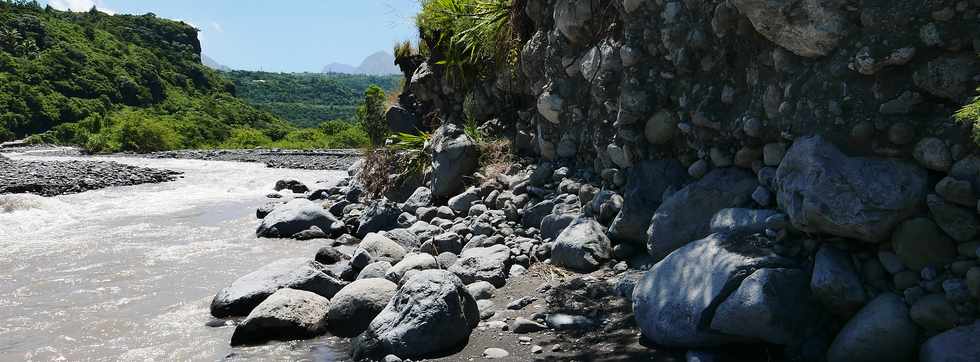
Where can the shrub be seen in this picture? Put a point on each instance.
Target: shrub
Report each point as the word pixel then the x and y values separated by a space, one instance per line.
pixel 242 138
pixel 372 115
pixel 146 135
pixel 474 36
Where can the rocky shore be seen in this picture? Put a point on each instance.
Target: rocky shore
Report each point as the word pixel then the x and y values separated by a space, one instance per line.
pixel 52 178
pixel 274 158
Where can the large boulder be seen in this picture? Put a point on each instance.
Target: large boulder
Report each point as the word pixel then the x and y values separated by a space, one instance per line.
pixel 432 312
pixel 380 246
pixel 455 155
pixel 487 264
pixel 824 191
pixel 239 298
pixel 296 216
pixel 736 220
pixel 411 261
pixel 809 28
pixel 722 290
pixel 422 197
pixel 461 203
pixel 285 315
pixel 881 331
pixel 582 246
pixel 960 344
pixel 686 215
pixel 645 186
pixel 572 19
pixel 381 215
pixel 353 308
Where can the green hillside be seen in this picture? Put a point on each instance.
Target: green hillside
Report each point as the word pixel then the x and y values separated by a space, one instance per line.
pixel 114 83
pixel 306 99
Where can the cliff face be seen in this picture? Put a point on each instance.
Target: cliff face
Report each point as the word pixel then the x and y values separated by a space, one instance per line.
pixel 608 81
pixel 816 130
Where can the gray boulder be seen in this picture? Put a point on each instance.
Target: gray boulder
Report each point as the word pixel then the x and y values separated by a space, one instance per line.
pixel 381 215
pixel 741 221
pixel 960 344
pixel 483 264
pixel 553 224
pixel 285 315
pixel 415 322
pixel 239 298
pixel 422 197
pixel 645 186
pixel 411 262
pixel 881 331
pixel 812 29
pixel 376 269
pixel 292 185
pixel 454 155
pixel 686 215
pixel 824 191
pixel 296 216
pixel 534 215
pixel 461 203
pixel 835 282
pixel 379 246
pixel 722 290
pixel 582 246
pixel 353 308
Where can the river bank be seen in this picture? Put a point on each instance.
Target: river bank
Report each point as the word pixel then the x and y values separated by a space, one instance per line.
pixel 273 158
pixel 51 176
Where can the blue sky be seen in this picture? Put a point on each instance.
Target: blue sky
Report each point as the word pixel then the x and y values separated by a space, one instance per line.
pixel 286 36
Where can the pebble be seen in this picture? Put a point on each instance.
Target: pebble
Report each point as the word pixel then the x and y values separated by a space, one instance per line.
pixel 536 349
pixel 495 353
pixel 521 303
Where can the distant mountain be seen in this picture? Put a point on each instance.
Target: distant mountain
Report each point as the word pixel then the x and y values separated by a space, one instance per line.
pixel 211 63
pixel 340 68
pixel 380 63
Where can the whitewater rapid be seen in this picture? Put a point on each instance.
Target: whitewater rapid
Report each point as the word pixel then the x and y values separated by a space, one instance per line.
pixel 127 273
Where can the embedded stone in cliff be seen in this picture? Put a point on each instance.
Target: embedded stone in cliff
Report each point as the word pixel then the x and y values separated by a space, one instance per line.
pixel 721 290
pixel 948 77
pixel 415 322
pixel 686 215
pixel 582 246
pixel 549 105
pixel 959 223
pixel 825 191
pixel 920 243
pixel 835 283
pixel 455 155
pixel 881 331
pixel 809 28
pixel 954 345
pixel 572 18
pixel 661 127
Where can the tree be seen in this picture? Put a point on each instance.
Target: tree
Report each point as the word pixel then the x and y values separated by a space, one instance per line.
pixel 372 115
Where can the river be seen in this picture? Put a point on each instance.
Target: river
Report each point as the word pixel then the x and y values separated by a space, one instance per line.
pixel 127 273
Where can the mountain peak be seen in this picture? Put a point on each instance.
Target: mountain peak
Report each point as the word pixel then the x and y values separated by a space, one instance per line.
pixel 379 63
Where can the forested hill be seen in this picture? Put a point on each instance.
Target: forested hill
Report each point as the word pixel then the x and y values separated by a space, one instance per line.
pixel 307 99
pixel 113 83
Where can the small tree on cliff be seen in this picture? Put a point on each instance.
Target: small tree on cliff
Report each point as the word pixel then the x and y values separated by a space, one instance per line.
pixel 372 115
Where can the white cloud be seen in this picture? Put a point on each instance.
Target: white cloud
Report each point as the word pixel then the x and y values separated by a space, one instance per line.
pixel 80 5
pixel 217 27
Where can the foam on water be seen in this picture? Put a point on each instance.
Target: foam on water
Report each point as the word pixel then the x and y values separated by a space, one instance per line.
pixel 127 273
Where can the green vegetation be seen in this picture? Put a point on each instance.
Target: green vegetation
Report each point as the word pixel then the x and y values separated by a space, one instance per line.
pixel 473 36
pixel 113 83
pixel 372 115
pixel 136 83
pixel 306 99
